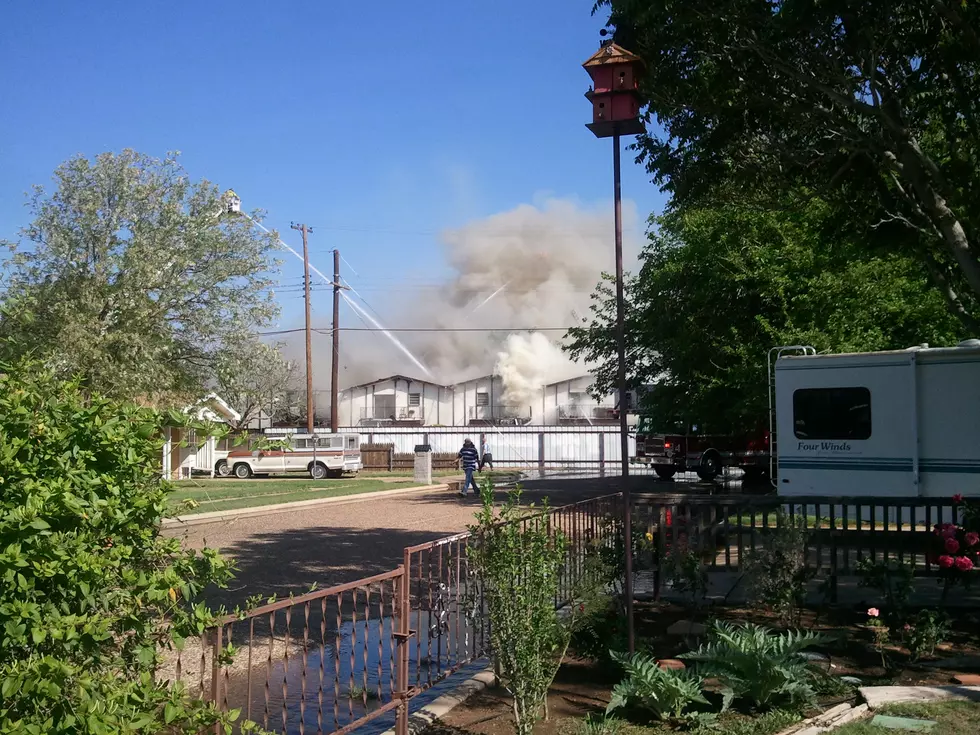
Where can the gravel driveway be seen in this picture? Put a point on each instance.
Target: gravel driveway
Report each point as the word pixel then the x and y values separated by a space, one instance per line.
pixel 330 544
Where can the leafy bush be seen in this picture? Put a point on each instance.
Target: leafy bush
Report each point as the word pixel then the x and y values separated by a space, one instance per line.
pixel 925 632
pixel 518 565
pixel 687 575
pixel 669 695
pixel 599 628
pixel 757 666
pixel 89 589
pixel 893 581
pixel 777 573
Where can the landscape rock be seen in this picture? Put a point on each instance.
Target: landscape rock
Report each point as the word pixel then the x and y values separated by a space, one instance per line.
pixel 672 664
pixel 687 628
pixel 967 680
pixel 877 697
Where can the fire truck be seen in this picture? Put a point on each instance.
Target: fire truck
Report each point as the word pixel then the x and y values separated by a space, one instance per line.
pixel 690 450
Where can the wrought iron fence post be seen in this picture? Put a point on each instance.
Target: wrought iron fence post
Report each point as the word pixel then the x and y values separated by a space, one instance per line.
pixel 402 637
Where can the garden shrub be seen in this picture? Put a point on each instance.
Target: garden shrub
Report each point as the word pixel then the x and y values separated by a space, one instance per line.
pixel 759 667
pixel 686 572
pixel 893 580
pixel 667 694
pixel 776 572
pixel 89 589
pixel 598 629
pixel 517 557
pixel 926 631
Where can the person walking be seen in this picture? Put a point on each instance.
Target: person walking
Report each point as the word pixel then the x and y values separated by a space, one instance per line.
pixel 486 458
pixel 469 458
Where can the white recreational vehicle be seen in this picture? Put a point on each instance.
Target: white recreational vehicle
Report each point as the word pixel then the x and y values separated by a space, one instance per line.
pixel 888 424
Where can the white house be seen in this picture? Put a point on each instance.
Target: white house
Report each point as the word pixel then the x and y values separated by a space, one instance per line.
pixel 568 402
pixel 396 400
pixel 184 452
pixel 480 401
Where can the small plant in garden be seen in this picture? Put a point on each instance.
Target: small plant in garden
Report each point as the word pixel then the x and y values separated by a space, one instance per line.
pixel 601 724
pixel 893 580
pixel 687 575
pixel 757 666
pixel 777 573
pixel 599 628
pixel 880 632
pixel 925 632
pixel 669 695
pixel 517 557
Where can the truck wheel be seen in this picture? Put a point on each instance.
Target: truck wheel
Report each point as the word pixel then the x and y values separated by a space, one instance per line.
pixel 243 471
pixel 665 473
pixel 710 466
pixel 221 469
pixel 318 471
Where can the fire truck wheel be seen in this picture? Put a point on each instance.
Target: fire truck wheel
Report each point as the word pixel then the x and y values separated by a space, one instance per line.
pixel 665 473
pixel 710 466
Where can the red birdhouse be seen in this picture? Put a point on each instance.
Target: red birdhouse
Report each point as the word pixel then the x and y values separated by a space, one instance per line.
pixel 615 93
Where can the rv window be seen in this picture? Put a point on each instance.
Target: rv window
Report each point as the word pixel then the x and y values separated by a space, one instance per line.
pixel 832 413
pixel 352 442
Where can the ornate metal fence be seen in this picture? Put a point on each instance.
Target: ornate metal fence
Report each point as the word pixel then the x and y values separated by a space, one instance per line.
pixel 335 659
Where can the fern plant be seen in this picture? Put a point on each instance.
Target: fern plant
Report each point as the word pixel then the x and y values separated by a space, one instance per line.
pixel 757 666
pixel 669 695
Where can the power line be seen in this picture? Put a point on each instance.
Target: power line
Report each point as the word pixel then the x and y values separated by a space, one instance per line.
pixel 428 329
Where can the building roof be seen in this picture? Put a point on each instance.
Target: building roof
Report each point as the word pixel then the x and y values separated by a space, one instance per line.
pixel 580 376
pixel 395 377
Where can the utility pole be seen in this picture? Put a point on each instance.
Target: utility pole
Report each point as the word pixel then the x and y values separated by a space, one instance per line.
pixel 309 345
pixel 335 356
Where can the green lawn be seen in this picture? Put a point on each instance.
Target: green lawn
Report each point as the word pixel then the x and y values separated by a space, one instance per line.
pixel 952 718
pixel 231 494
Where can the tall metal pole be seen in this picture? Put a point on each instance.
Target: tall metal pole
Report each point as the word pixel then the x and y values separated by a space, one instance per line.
pixel 621 385
pixel 309 341
pixel 335 361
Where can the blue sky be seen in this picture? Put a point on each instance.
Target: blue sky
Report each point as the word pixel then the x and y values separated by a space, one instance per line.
pixel 380 123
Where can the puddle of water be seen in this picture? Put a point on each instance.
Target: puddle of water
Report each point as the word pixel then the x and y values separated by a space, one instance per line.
pixel 347 675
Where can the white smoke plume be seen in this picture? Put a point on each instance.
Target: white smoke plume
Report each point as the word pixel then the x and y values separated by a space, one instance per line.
pixel 527 362
pixel 537 265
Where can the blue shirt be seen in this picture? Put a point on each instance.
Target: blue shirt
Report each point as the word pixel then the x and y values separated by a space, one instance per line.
pixel 469 457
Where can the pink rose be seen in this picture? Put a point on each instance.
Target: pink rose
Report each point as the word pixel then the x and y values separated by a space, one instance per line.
pixel 946 562
pixel 952 545
pixel 957 498
pixel 949 530
pixel 972 538
pixel 963 563
pixel 873 612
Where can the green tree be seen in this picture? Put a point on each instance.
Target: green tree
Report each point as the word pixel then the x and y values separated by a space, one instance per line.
pixel 875 105
pixel 718 287
pixel 253 377
pixel 90 593
pixel 136 278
